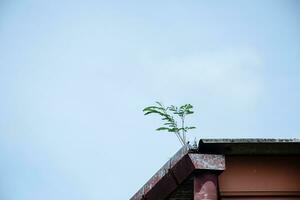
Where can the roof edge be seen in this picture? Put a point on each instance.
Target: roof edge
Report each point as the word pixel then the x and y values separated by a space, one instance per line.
pixel 176 170
pixel 252 146
pixel 250 140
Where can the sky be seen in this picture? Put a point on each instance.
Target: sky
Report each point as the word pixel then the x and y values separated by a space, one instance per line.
pixel 75 76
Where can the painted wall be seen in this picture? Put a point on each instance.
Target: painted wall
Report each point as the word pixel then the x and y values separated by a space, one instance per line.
pixel 260 177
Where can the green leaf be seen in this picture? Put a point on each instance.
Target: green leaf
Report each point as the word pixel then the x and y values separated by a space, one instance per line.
pixel 147 113
pixel 173 130
pixel 189 106
pixel 172 108
pixel 191 127
pixel 159 103
pixel 155 111
pixel 162 128
pixel 152 108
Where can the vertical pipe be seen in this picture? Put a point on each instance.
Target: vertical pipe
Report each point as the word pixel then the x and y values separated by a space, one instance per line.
pixel 205 186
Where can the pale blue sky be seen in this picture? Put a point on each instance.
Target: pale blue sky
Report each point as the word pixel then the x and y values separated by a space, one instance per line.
pixel 75 76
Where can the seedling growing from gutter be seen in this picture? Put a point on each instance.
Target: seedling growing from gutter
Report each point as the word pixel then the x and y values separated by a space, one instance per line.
pixel 170 117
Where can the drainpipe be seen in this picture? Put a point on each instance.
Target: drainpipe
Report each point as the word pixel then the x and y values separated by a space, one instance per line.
pixel 205 186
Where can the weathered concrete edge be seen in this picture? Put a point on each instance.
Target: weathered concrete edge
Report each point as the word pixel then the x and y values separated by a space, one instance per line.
pixel 250 140
pixel 199 161
pixel 208 161
pixel 252 146
pixel 161 172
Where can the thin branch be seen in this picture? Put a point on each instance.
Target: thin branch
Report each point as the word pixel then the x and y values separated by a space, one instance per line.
pixel 182 126
pixel 179 138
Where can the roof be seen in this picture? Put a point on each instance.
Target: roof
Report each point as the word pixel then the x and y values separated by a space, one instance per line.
pixel 256 146
pixel 176 171
pixel 250 140
pixel 209 155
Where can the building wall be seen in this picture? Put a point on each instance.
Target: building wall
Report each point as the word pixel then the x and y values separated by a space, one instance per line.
pixel 260 177
pixel 253 178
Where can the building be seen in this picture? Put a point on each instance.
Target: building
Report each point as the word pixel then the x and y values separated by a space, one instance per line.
pixel 229 169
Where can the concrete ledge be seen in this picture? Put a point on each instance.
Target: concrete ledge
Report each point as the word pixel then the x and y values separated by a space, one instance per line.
pixel 250 146
pixel 208 161
pixel 176 170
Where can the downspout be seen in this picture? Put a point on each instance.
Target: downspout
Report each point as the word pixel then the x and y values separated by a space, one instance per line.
pixel 205 186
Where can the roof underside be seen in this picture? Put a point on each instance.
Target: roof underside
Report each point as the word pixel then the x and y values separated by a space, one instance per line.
pixel 250 146
pixel 251 140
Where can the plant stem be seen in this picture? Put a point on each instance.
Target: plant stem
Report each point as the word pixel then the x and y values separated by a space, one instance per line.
pixel 183 131
pixel 179 137
pixel 181 140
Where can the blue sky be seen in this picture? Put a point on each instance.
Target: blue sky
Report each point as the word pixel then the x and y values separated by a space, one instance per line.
pixel 75 76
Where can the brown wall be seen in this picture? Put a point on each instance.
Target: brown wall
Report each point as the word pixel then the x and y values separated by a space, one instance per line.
pixel 260 177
